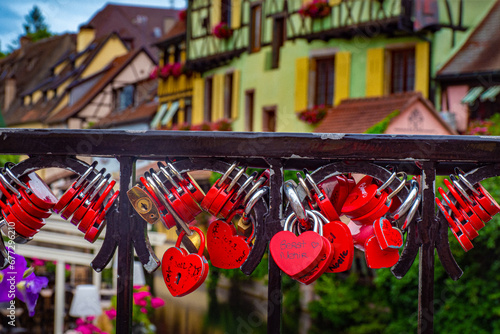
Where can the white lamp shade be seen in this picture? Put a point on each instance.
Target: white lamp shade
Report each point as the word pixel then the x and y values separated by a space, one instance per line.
pixel 86 302
pixel 139 278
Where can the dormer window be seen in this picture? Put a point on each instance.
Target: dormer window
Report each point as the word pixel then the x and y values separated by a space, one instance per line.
pixel 125 97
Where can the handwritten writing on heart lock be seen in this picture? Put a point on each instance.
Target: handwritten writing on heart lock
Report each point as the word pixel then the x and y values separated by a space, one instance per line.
pixel 227 250
pixel 340 237
pixel 387 235
pixel 296 255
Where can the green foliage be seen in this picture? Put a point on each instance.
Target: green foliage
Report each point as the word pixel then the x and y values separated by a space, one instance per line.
pixel 381 126
pixel 8 158
pixel 35 27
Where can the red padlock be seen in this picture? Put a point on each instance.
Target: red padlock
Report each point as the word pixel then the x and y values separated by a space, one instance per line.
pixel 187 181
pixel 467 225
pixel 94 209
pixel 89 201
pixel 183 273
pixel 166 218
pixel 458 232
pixel 476 207
pixel 321 199
pixel 81 196
pixel 18 225
pixel 216 188
pixel 466 212
pixel 73 190
pixel 225 193
pixel 376 257
pixel 98 225
pixel 362 199
pixel 481 195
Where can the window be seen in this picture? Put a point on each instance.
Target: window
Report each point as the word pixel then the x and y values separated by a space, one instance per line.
pixel 188 111
pixel 279 36
pixel 255 25
pixel 125 97
pixel 228 95
pixel 207 112
pixel 269 119
pixel 325 72
pixel 402 70
pixel 249 106
pixel 225 11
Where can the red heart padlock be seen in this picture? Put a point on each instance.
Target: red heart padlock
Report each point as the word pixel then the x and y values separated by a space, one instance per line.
pixel 457 230
pixel 387 235
pixel 340 237
pixel 471 201
pixel 227 249
pixel 296 255
pixel 465 211
pixel 184 273
pixel 377 257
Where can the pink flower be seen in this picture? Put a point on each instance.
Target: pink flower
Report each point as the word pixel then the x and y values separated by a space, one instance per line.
pixel 157 302
pixel 154 73
pixel 111 314
pixel 182 15
pixel 140 298
pixel 144 310
pixel 176 70
pixel 37 262
pixel 165 71
pixel 222 31
pixel 67 267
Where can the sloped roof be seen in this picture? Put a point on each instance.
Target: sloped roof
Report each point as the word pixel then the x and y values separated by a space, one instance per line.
pixel 141 113
pixel 133 22
pixel 174 35
pixel 109 73
pixel 358 115
pixel 480 51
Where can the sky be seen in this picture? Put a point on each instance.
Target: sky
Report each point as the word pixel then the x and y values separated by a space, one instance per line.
pixel 60 15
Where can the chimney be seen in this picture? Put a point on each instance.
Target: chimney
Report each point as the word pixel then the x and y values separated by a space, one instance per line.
pixel 85 36
pixel 10 93
pixel 24 40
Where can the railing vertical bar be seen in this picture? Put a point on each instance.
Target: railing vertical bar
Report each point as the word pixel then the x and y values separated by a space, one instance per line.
pixel 275 212
pixel 125 249
pixel 427 230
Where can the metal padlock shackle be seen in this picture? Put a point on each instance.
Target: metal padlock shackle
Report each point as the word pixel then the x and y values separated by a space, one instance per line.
pixel 254 188
pixel 399 187
pixel 236 178
pixel 91 184
pixel 174 170
pixel 455 179
pixel 97 189
pixel 293 198
pixel 4 253
pixel 168 176
pixel 321 217
pixel 247 182
pixel 167 205
pixel 292 219
pixel 462 178
pixel 160 184
pixel 84 176
pixel 227 173
pixel 410 199
pixel 9 186
pixel 304 186
pixel 14 178
pixel 411 212
pixel 253 200
pixel 313 184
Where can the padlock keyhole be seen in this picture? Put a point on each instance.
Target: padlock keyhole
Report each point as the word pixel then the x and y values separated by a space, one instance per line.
pixel 178 278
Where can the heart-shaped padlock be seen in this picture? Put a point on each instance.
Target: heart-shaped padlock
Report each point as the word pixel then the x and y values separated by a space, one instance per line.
pixel 183 273
pixel 376 257
pixel 340 237
pixel 360 234
pixel 387 235
pixel 298 255
pixel 456 228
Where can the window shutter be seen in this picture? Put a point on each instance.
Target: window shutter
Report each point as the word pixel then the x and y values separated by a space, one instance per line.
pixel 342 76
pixel 301 83
pixel 235 94
pixel 198 97
pixel 375 72
pixel 215 13
pixel 235 14
pixel 218 97
pixel 422 68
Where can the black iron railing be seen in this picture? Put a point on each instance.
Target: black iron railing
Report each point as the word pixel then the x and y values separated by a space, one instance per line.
pixel 424 156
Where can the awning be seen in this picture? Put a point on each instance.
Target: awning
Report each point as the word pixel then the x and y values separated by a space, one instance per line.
pixel 490 94
pixel 170 113
pixel 472 95
pixel 158 116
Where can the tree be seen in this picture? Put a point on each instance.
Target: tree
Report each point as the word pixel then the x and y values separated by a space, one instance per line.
pixel 35 27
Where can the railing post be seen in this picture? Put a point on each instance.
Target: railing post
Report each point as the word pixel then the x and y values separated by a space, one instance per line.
pixel 125 249
pixel 428 233
pixel 274 291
